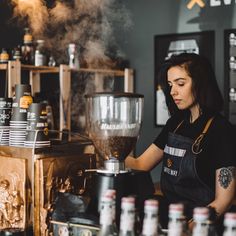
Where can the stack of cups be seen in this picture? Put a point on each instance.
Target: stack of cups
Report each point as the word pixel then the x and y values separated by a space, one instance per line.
pixel 5 116
pixel 37 127
pixel 18 122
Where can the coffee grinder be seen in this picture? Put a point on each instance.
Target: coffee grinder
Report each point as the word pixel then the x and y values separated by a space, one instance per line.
pixel 113 124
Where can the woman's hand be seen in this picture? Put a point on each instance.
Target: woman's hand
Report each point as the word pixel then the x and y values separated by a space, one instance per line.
pixel 147 161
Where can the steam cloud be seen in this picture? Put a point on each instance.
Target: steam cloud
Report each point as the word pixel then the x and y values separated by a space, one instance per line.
pixel 35 11
pixel 89 24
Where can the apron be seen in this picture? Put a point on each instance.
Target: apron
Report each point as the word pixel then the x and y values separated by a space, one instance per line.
pixel 179 179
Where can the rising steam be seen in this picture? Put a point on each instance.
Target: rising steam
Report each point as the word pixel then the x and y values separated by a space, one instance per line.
pixel 89 23
pixel 33 11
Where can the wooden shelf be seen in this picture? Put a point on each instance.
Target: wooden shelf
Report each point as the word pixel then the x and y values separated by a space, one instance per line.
pixel 35 69
pixel 48 69
pixel 13 75
pixel 40 69
pixel 101 71
pixel 3 66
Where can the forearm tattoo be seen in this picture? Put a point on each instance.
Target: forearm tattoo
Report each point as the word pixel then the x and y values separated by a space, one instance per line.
pixel 226 176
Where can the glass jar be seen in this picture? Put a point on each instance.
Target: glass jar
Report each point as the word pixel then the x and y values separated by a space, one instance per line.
pixel 40 53
pixel 27 49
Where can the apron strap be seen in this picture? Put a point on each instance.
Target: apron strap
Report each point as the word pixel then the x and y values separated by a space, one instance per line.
pixel 197 142
pixel 178 126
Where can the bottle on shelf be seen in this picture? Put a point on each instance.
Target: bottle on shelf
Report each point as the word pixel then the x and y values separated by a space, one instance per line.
pixel 232 39
pixel 232 63
pixel 73 56
pixel 52 61
pixel 232 95
pixel 106 216
pixel 50 118
pixel 4 56
pixel 177 222
pixel 230 224
pixel 200 217
pixel 40 53
pixel 127 218
pixel 27 49
pixel 150 221
pixel 16 53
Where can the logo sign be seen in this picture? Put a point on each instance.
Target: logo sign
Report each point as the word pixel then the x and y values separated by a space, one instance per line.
pixel 212 3
pixel 193 2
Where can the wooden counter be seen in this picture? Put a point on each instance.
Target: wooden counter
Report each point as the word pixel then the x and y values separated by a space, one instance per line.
pixel 31 179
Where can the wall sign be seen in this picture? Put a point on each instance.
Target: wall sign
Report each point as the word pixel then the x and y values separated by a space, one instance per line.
pixel 197 2
pixel 212 3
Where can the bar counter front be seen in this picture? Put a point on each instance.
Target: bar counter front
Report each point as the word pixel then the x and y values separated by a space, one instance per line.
pixel 32 179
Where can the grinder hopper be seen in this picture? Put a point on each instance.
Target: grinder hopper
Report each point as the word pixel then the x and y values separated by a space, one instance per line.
pixel 113 124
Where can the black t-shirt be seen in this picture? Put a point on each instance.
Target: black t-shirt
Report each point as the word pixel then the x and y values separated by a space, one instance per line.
pixel 218 145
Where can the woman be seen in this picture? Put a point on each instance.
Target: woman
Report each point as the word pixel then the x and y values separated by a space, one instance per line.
pixel 197 144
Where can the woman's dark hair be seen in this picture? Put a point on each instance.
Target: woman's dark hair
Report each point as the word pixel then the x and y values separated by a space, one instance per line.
pixel 204 85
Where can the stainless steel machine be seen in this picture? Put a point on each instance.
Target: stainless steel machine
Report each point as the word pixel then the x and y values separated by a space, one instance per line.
pixel 113 124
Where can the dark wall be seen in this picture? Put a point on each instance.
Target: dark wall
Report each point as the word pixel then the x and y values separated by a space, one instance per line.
pixel 157 17
pixel 10 33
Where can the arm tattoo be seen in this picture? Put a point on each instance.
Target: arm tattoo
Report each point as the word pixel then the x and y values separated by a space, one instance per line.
pixel 226 176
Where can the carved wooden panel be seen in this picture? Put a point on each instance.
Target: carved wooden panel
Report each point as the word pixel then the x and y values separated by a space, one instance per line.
pixel 13 193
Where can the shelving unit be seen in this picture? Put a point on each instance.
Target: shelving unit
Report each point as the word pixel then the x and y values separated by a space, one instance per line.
pixel 39 168
pixel 230 74
pixel 13 77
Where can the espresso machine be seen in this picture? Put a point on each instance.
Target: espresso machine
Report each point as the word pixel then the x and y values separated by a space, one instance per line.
pixel 113 124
